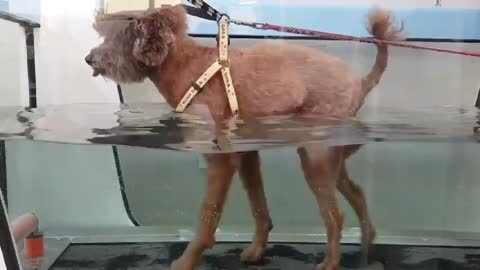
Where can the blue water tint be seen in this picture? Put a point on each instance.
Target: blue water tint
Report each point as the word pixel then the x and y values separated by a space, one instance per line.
pixel 3 5
pixel 437 23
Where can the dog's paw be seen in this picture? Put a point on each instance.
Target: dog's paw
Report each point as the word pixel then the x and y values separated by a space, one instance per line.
pixel 182 264
pixel 253 253
pixel 368 237
pixel 327 266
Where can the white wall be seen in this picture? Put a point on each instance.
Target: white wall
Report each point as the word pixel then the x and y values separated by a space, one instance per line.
pixel 13 65
pixel 2 261
pixel 64 39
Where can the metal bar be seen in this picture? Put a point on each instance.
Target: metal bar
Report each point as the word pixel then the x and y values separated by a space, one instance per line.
pixel 3 173
pixel 477 102
pixel 7 244
pixel 118 167
pixel 16 19
pixel 32 80
pixel 28 26
pixel 122 187
pixel 285 37
pixel 120 93
pixel 476 129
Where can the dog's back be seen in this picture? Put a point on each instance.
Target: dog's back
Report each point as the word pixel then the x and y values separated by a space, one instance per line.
pixel 277 77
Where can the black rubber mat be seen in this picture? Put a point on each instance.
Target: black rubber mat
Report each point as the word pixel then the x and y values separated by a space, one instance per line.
pixel 158 256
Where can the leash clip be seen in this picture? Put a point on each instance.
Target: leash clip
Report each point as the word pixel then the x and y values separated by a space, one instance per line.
pixel 256 25
pixel 260 26
pixel 224 16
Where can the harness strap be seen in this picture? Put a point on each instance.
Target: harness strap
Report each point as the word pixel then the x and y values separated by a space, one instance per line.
pixel 197 86
pixel 223 64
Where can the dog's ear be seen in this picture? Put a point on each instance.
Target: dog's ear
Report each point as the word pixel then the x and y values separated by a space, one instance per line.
pixel 155 35
pixel 112 24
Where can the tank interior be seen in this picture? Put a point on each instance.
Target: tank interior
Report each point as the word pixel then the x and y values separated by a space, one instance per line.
pixel 132 201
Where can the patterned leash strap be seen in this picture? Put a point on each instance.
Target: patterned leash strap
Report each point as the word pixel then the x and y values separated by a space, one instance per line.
pixel 203 10
pixel 320 34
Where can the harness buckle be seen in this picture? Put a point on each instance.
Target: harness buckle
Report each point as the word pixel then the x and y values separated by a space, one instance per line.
pixel 197 87
pixel 224 63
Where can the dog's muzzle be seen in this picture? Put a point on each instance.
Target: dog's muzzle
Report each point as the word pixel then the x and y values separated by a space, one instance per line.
pixel 96 71
pixel 89 59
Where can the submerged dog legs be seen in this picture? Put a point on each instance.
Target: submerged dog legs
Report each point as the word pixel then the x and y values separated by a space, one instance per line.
pixel 220 171
pixel 356 199
pixel 252 182
pixel 320 166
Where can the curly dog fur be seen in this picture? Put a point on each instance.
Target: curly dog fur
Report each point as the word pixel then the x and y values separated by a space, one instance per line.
pixel 271 78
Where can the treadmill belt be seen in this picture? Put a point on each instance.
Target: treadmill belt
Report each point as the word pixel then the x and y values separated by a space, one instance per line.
pixel 158 256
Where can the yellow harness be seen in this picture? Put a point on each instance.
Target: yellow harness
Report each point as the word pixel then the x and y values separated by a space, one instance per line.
pixel 223 64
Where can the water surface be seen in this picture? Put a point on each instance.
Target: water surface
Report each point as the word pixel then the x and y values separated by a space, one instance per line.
pixel 156 126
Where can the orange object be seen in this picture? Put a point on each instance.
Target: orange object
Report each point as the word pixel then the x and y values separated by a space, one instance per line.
pixel 34 245
pixel 24 226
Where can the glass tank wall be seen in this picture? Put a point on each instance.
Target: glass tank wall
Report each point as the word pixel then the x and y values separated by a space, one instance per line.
pixel 117 181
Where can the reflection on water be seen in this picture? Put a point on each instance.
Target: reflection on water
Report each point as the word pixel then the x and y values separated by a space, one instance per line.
pixel 156 126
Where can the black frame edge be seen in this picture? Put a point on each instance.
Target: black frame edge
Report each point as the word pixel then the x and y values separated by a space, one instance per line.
pixel 477 102
pixel 433 40
pixel 122 187
pixel 16 19
pixel 118 167
pixel 31 72
pixel 10 255
pixel 3 173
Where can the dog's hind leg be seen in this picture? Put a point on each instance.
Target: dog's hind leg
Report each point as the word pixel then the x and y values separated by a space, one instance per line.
pixel 356 198
pixel 220 171
pixel 252 182
pixel 321 166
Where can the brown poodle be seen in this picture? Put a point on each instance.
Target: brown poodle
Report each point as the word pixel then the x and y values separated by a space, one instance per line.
pixel 270 79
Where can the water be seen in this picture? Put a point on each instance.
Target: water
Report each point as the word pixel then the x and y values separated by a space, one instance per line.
pixel 156 126
pixel 141 199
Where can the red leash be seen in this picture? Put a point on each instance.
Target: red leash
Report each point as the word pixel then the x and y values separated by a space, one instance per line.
pixel 314 33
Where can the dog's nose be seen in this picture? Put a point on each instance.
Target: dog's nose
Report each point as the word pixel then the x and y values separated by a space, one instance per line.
pixel 89 59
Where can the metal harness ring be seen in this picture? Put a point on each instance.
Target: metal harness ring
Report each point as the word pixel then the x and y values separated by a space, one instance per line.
pixel 222 15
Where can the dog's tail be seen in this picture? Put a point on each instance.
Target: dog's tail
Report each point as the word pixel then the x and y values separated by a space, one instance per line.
pixel 381 27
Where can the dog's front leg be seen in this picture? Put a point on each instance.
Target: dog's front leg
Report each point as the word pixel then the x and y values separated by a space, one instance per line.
pixel 253 184
pixel 220 171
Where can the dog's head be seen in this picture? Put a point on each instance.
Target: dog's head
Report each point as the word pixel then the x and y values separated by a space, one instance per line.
pixel 135 42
